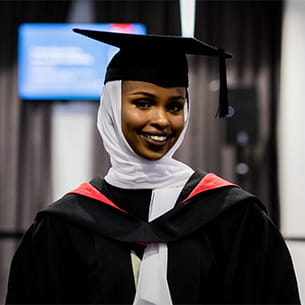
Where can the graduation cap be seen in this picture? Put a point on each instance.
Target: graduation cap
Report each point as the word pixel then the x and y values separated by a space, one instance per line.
pixel 158 59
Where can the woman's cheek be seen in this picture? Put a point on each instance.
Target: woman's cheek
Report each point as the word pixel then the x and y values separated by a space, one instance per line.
pixel 178 123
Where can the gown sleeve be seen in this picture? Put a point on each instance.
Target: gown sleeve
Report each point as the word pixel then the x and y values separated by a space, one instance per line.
pixel 34 269
pixel 260 269
pixel 55 263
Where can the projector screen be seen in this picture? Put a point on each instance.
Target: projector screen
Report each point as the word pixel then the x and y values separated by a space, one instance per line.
pixel 54 63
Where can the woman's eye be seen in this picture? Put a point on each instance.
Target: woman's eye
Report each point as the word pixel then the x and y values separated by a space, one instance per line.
pixel 175 107
pixel 142 104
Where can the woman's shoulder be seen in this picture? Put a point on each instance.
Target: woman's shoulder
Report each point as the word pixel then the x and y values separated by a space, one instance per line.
pixel 56 218
pixel 88 208
pixel 72 209
pixel 226 204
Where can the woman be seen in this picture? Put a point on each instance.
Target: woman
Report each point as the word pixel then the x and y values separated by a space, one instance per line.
pixel 153 231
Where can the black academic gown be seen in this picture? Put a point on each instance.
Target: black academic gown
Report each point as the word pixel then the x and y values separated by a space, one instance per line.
pixel 222 249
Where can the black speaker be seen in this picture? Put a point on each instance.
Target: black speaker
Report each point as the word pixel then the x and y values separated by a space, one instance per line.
pixel 242 120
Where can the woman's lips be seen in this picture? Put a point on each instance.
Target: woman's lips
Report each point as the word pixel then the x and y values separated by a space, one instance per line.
pixel 156 140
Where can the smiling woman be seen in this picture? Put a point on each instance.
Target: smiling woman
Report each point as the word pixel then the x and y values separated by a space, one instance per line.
pixel 152 117
pixel 153 230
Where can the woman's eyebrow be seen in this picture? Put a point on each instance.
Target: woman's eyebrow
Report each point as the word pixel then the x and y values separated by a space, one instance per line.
pixel 143 93
pixel 178 97
pixel 175 97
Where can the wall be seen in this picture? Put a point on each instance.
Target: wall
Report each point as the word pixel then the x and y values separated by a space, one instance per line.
pixel 73 126
pixel 291 137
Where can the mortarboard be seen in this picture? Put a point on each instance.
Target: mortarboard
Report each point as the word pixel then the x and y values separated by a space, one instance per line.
pixel 158 59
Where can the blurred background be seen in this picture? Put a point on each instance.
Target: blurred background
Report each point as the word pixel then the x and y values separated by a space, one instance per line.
pixel 49 146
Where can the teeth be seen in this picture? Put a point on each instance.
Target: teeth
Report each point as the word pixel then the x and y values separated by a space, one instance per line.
pixel 157 138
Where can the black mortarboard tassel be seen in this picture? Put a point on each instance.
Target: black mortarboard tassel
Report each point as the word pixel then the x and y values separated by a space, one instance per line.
pixel 223 106
pixel 158 59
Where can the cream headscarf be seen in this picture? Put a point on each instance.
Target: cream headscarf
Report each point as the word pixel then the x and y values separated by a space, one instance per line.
pixel 166 177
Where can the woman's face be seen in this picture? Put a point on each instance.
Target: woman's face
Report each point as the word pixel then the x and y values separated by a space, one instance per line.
pixel 152 117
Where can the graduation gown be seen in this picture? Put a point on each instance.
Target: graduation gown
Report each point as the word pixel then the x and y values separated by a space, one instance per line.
pixel 222 249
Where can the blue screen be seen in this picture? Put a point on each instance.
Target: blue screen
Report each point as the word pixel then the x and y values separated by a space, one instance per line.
pixel 56 63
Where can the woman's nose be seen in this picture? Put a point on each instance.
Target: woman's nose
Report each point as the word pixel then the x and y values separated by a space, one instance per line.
pixel 159 118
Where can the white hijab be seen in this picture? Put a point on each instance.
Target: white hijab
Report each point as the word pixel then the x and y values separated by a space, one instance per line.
pixel 166 177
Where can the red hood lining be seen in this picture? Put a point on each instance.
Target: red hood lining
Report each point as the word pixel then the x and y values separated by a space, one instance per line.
pixel 208 182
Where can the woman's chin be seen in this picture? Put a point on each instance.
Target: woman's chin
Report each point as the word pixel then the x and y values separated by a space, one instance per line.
pixel 151 155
